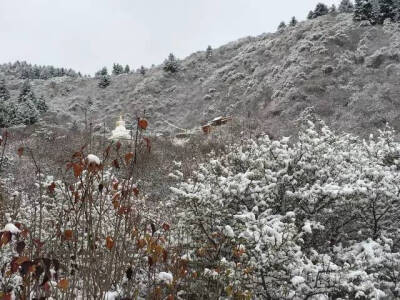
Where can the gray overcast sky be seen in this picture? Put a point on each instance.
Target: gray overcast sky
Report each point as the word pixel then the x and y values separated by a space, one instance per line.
pixel 88 34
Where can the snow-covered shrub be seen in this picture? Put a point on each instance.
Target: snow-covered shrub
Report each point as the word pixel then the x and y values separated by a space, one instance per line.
pixel 312 218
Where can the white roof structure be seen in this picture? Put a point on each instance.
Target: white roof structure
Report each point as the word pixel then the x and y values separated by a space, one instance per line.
pixel 120 132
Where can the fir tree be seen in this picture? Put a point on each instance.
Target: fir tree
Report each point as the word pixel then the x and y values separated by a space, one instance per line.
pixel 102 72
pixel 117 69
pixel 142 70
pixel 27 114
pixel 282 26
pixel 104 81
pixel 104 78
pixel 375 12
pixel 397 11
pixel 293 22
pixel 4 93
pixel 387 10
pixel 3 114
pixel 346 6
pixel 320 10
pixel 209 51
pixel 332 9
pixel 310 15
pixel 41 105
pixel 127 69
pixel 11 113
pixel 171 64
pixel 362 10
pixel 26 94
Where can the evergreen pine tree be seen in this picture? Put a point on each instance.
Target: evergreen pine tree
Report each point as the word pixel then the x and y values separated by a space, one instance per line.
pixel 127 69
pixel 27 114
pixel 363 10
pixel 3 114
pixel 11 112
pixel 26 93
pixel 171 64
pixel 293 21
pixel 117 69
pixel 104 81
pixel 320 10
pixel 104 78
pixel 346 6
pixel 332 9
pixel 397 11
pixel 375 17
pixel 310 15
pixel 41 105
pixel 281 25
pixel 102 72
pixel 4 93
pixel 142 70
pixel 209 52
pixel 387 10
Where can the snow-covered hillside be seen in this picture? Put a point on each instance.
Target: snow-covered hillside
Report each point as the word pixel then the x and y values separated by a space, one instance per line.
pixel 348 71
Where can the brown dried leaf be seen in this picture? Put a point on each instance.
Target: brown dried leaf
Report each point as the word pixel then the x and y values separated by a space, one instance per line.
pixel 118 145
pixel 68 234
pixel 109 243
pixel 20 260
pixel 52 187
pixel 166 226
pixel 115 164
pixel 141 243
pixel 143 124
pixel 148 143
pixel 78 169
pixel 128 157
pixel 63 284
pixel 20 151
pixel 5 238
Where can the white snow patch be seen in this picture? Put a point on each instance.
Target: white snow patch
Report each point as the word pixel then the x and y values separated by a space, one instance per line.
pixel 93 159
pixel 228 231
pixel 296 280
pixel 165 277
pixel 111 296
pixel 307 227
pixel 11 228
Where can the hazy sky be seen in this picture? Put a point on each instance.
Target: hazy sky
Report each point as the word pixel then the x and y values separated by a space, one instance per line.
pixel 88 34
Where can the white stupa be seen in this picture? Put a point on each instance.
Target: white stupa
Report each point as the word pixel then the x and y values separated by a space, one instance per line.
pixel 120 132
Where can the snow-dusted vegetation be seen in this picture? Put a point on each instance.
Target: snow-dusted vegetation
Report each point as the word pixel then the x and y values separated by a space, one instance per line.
pixel 311 216
pixel 283 182
pixel 347 70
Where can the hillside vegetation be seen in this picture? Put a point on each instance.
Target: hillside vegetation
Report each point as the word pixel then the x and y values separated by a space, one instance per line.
pixel 347 70
pixel 295 197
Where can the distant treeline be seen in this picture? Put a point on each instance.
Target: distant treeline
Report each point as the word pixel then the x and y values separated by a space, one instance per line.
pixel 24 70
pixel 373 11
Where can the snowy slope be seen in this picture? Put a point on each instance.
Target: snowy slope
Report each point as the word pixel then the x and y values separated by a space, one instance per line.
pixel 350 73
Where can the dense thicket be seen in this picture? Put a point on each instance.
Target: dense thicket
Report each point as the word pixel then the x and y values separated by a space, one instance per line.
pixel 315 218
